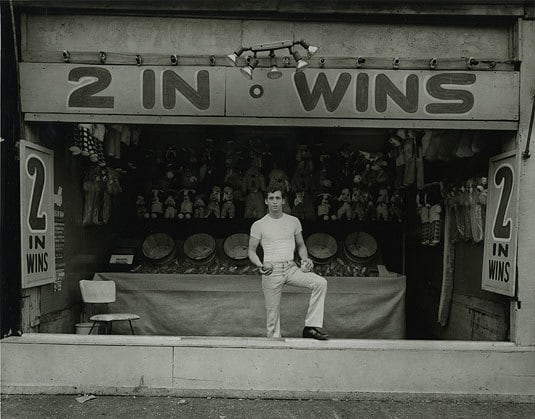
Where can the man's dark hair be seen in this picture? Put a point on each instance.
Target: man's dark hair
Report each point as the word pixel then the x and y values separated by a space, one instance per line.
pixel 274 188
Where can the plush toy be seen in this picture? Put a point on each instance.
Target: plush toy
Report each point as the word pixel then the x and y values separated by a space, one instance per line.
pixel 199 207
pixel 396 206
pixel 303 157
pixel 278 179
pixel 324 207
pixel 434 199
pixel 170 207
pixel 382 205
pixel 141 210
pixel 186 206
pixel 213 207
pixel 302 184
pixel 422 210
pixel 299 206
pixel 207 168
pixel 253 187
pixel 156 207
pixel 228 203
pixel 359 205
pixel 344 210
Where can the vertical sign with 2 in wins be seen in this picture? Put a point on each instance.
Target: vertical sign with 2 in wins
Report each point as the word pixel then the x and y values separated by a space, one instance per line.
pixel 499 257
pixel 37 214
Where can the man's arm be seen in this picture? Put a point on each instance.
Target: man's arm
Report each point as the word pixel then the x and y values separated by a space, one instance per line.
pixel 255 260
pixel 303 252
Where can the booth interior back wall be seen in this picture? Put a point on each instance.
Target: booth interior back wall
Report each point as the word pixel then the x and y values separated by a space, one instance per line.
pixel 80 250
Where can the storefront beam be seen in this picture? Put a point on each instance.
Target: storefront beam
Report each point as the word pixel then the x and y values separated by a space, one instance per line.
pixel 273 7
pixel 295 122
pixel 387 63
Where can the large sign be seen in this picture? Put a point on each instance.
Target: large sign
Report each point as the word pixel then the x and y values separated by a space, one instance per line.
pixel 499 257
pixel 314 93
pixel 37 214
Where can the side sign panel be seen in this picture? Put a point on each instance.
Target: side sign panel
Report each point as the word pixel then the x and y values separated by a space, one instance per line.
pixel 499 257
pixel 37 215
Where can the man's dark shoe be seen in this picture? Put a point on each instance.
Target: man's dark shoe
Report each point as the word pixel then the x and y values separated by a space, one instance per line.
pixel 313 333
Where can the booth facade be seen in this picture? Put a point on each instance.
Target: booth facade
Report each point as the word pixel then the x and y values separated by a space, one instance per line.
pixel 379 77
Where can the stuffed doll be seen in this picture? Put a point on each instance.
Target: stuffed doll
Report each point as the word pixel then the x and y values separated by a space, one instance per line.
pixel 156 206
pixel 199 207
pixel 302 184
pixel 186 206
pixel 434 199
pixel 303 157
pixel 396 206
pixel 358 204
pixel 170 207
pixel 141 210
pixel 228 203
pixel 382 205
pixel 277 178
pixel 324 207
pixel 299 206
pixel 396 154
pixel 422 209
pixel 207 168
pixel 253 187
pixel 476 217
pixel 344 209
pixel 213 208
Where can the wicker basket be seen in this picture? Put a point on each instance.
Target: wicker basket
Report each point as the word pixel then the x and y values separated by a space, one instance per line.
pixel 159 248
pixel 360 247
pixel 322 247
pixel 200 248
pixel 236 248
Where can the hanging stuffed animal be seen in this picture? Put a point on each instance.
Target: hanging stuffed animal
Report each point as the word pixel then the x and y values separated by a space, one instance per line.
pixel 213 208
pixel 141 210
pixel 228 208
pixel 299 206
pixel 396 206
pixel 382 205
pixel 344 209
pixel 253 187
pixel 302 184
pixel 422 209
pixel 434 199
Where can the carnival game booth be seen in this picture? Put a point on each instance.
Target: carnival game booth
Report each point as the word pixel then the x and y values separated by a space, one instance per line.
pixel 158 159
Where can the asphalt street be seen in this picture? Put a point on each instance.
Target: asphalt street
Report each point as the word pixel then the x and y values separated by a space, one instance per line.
pixel 66 406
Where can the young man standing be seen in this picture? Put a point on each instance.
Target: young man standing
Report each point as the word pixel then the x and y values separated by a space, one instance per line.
pixel 279 233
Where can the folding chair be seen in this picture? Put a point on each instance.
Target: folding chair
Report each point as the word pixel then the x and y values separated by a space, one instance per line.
pixel 103 292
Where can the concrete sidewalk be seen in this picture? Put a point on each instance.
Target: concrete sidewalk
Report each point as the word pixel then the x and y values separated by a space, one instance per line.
pixel 66 406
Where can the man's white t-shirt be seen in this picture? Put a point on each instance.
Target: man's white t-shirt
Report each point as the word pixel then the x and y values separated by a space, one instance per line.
pixel 277 236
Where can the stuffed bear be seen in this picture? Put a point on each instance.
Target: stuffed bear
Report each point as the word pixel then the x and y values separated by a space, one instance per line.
pixel 170 207
pixel 199 207
pixel 324 207
pixel 253 187
pixel 299 206
pixel 141 210
pixel 213 207
pixel 186 206
pixel 382 205
pixel 228 203
pixel 156 207
pixel 302 185
pixel 358 204
pixel 396 206
pixel 344 209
